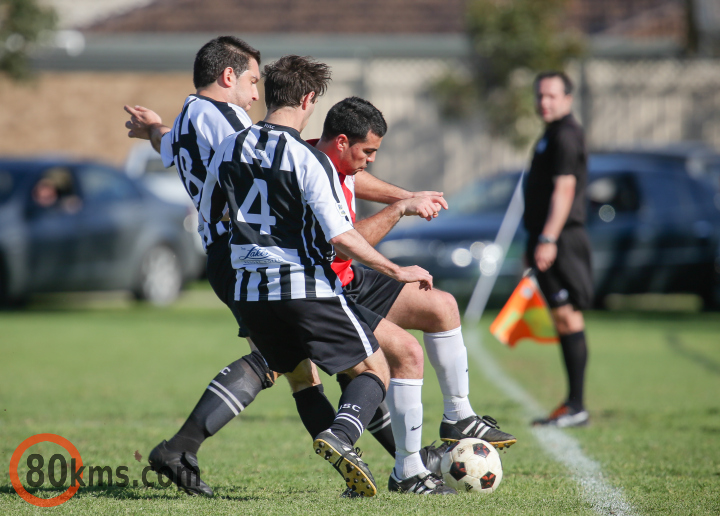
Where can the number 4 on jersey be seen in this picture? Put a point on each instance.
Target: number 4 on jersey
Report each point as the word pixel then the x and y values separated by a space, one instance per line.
pixel 265 220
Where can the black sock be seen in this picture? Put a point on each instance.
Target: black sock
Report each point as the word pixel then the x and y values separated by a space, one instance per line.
pixel 379 425
pixel 315 410
pixel 574 349
pixel 357 406
pixel 233 389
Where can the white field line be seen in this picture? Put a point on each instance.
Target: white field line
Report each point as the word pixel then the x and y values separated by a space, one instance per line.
pixel 604 498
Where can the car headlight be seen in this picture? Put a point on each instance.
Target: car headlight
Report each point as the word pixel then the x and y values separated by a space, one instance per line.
pixel 403 248
pixel 463 254
pixel 490 259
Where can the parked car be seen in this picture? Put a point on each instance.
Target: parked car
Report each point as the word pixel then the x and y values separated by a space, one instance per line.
pixel 81 226
pixel 144 164
pixel 653 228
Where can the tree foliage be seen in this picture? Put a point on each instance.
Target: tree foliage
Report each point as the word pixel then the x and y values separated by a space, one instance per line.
pixel 22 23
pixel 511 41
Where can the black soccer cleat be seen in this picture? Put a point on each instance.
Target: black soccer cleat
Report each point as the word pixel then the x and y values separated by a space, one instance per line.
pixel 349 493
pixel 180 467
pixel 425 483
pixel 347 462
pixel 432 457
pixel 564 416
pixel 485 428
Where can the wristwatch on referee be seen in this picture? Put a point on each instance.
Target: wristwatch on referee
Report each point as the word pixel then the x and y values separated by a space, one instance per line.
pixel 544 239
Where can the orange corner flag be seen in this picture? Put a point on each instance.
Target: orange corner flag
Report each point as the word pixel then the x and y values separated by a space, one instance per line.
pixel 525 316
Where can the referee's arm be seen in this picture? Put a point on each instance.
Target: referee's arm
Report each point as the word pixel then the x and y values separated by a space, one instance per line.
pixel 560 205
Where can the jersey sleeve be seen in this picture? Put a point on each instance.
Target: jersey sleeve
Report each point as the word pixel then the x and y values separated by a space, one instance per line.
pixel 166 153
pixel 213 200
pixel 322 192
pixel 211 130
pixel 567 153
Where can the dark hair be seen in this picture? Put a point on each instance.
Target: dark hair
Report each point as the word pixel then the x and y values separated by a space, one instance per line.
pixel 567 83
pixel 218 54
pixel 290 78
pixel 353 117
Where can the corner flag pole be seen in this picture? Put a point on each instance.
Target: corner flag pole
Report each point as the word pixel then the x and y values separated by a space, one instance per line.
pixel 505 235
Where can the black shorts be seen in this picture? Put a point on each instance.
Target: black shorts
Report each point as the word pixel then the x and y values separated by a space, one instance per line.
pixel 569 279
pixel 329 331
pixel 374 292
pixel 221 276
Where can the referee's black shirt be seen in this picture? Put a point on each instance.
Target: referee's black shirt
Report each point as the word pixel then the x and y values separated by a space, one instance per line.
pixel 560 151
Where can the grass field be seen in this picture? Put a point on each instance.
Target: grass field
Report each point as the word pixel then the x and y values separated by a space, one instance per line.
pixel 123 377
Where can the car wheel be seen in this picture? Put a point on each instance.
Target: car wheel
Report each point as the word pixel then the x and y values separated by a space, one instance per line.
pixel 160 276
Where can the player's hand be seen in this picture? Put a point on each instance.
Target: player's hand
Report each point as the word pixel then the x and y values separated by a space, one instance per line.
pixel 415 273
pixel 435 196
pixel 424 207
pixel 141 122
pixel 545 255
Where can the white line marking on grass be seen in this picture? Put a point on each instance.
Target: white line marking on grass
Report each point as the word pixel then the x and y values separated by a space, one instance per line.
pixel 604 498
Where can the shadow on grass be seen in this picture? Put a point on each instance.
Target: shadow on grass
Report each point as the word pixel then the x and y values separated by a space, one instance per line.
pixel 123 493
pixel 678 346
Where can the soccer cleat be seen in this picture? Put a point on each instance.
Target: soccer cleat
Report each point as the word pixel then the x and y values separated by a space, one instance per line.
pixel 485 428
pixel 432 457
pixel 180 467
pixel 425 483
pixel 564 416
pixel 347 462
pixel 349 493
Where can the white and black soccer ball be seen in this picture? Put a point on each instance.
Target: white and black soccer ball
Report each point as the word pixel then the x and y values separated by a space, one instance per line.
pixel 472 466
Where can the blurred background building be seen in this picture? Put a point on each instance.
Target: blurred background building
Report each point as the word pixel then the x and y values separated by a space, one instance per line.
pixel 649 74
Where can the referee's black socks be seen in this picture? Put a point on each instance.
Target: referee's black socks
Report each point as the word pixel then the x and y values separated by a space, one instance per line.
pixel 233 389
pixel 379 425
pixel 574 349
pixel 357 407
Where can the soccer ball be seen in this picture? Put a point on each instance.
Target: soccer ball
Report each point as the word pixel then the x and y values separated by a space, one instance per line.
pixel 472 466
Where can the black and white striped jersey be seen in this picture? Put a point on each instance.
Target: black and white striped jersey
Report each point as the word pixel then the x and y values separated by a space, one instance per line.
pixel 285 204
pixel 198 130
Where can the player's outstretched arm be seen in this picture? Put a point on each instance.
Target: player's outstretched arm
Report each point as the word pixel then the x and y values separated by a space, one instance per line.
pixel 370 188
pixel 145 124
pixel 373 229
pixel 352 244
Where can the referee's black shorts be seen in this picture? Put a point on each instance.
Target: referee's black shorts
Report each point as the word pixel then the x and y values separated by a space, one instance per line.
pixel 221 276
pixel 329 331
pixel 374 293
pixel 569 279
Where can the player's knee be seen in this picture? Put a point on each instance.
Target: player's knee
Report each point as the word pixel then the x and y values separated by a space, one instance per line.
pixel 414 357
pixel 568 320
pixel 444 313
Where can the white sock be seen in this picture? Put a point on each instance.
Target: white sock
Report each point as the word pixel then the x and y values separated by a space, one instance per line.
pixel 404 400
pixel 448 356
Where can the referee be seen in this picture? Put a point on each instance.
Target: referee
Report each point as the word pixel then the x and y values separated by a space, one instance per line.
pixel 558 246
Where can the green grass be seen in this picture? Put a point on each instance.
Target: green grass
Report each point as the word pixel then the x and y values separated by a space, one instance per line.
pixel 123 377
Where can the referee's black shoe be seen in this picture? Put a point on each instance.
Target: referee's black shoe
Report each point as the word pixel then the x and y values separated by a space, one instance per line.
pixel 346 460
pixel 485 428
pixel 180 467
pixel 425 483
pixel 565 416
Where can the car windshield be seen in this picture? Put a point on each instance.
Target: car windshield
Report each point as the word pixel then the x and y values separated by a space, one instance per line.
pixel 486 196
